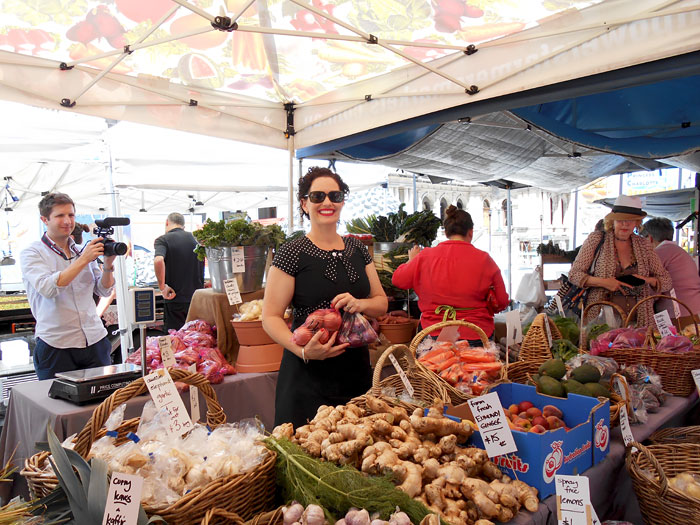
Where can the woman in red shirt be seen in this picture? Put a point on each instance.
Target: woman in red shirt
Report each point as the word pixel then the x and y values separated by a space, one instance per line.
pixel 454 273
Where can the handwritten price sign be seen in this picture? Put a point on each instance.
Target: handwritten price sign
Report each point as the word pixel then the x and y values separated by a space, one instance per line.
pixel 232 291
pixel 166 351
pixel 123 500
pixel 491 421
pixel 237 260
pixel 573 500
pixel 164 394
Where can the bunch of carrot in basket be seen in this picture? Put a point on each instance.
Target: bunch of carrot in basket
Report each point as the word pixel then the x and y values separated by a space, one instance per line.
pixel 469 369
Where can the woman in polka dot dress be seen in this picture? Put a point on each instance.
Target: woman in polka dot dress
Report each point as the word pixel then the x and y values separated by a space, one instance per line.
pixel 320 270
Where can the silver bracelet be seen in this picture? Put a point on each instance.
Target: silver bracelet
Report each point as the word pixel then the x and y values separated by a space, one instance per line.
pixel 108 270
pixel 303 351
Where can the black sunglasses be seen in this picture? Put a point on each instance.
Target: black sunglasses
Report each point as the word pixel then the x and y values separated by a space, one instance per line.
pixel 317 197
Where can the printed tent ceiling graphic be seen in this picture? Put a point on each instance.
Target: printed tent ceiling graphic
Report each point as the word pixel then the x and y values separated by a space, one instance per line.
pixel 295 73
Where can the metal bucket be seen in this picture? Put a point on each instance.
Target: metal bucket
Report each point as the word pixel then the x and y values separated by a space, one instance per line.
pixel 221 268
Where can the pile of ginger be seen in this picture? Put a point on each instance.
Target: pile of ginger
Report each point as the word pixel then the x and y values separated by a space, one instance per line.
pixel 422 453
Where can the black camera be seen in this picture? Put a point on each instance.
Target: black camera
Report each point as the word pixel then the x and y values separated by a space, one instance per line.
pixel 105 228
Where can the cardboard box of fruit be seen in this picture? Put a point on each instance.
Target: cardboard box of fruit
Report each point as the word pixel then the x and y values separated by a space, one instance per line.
pixel 553 435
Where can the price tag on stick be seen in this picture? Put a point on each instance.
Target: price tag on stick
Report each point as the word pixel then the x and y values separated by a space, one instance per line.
pixel 696 378
pixel 625 426
pixel 676 308
pixel 232 292
pixel 194 397
pixel 237 260
pixel 123 499
pixel 663 323
pixel 164 394
pixel 560 307
pixel 514 328
pixel 167 355
pixel 404 378
pixel 493 426
pixel 548 331
pixel 573 500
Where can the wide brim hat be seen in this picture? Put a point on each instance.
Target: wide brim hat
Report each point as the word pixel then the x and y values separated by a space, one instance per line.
pixel 627 208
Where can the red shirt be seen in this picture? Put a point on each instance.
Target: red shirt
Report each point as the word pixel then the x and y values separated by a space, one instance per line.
pixel 457 274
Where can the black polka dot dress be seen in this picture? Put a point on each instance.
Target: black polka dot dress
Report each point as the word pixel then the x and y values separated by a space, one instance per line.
pixel 319 276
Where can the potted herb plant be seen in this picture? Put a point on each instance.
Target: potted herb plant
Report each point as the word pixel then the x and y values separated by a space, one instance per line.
pixel 216 240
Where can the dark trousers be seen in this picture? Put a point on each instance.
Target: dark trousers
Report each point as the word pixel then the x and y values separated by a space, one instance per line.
pixel 174 315
pixel 48 360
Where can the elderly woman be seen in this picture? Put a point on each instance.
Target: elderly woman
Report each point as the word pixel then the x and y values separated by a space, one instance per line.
pixel 456 274
pixel 607 258
pixel 680 266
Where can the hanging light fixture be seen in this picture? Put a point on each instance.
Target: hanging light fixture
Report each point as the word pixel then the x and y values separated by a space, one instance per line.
pixel 143 203
pixel 199 200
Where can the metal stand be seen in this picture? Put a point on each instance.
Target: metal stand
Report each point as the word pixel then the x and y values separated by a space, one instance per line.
pixel 144 367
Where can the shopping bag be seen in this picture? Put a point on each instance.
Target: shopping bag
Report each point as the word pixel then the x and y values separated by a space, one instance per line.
pixel 356 330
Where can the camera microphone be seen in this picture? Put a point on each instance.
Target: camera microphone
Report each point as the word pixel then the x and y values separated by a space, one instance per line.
pixel 112 221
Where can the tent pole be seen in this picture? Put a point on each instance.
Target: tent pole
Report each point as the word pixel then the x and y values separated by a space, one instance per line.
pixel 575 218
pixel 121 285
pixel 415 195
pixel 509 218
pixel 290 146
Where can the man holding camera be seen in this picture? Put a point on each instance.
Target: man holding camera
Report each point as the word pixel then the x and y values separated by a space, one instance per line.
pixel 60 281
pixel 178 270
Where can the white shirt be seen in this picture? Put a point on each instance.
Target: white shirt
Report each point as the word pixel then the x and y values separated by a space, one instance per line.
pixel 65 315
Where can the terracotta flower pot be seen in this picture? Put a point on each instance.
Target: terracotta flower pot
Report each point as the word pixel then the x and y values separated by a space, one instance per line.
pixel 398 333
pixel 262 358
pixel 251 333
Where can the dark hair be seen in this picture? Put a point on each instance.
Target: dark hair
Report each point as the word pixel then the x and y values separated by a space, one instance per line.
pixel 659 228
pixel 50 200
pixel 313 173
pixel 176 218
pixel 457 222
pixel 78 231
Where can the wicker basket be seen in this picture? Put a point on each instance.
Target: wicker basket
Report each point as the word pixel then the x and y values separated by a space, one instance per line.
pixel 672 436
pixel 246 494
pixel 520 371
pixel 674 369
pixel 650 467
pixel 427 387
pixel 457 397
pixel 219 516
pixel 583 337
pixel 535 346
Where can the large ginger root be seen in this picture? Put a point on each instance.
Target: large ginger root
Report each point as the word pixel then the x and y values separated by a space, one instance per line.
pixel 379 406
pixel 441 426
pixel 527 495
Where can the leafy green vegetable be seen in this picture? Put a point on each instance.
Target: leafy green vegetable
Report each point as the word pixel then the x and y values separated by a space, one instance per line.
pixel 239 232
pixel 564 349
pixel 312 481
pixel 568 327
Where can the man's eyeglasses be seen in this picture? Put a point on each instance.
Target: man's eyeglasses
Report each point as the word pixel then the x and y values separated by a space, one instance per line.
pixel 317 197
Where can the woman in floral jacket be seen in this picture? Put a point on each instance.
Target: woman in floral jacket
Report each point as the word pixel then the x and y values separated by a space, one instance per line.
pixel 619 251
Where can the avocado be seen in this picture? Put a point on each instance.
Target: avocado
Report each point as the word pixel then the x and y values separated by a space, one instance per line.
pixel 553 368
pixel 572 384
pixel 551 387
pixel 596 390
pixel 534 379
pixel 586 374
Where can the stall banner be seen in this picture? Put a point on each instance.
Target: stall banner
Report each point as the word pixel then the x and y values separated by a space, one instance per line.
pixel 542 456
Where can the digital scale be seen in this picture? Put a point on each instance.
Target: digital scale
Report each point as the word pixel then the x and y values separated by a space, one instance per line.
pixel 96 384
pixel 93 384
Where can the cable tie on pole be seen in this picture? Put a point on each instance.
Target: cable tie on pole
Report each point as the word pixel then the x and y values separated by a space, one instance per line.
pixel 472 90
pixel 65 67
pixel 368 98
pixel 67 103
pixel 193 102
pixel 470 49
pixel 372 39
pixel 128 50
pixel 224 23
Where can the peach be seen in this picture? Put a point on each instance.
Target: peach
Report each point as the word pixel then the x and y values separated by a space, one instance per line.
pixel 539 420
pixel 523 423
pixel 538 429
pixel 554 422
pixel 550 410
pixel 533 412
pixel 523 415
pixel 513 409
pixel 524 405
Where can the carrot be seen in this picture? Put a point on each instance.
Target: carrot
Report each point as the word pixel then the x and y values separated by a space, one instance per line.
pixel 476 356
pixel 432 354
pixel 446 364
pixel 451 374
pixel 489 31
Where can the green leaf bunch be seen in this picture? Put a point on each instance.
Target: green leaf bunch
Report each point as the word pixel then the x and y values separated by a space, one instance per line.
pixel 238 232
pixel 419 227
pixel 309 480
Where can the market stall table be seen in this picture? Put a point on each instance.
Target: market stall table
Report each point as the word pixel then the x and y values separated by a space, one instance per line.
pixel 214 308
pixel 240 395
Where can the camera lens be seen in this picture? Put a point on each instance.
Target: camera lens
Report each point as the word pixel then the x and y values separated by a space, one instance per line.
pixel 114 248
